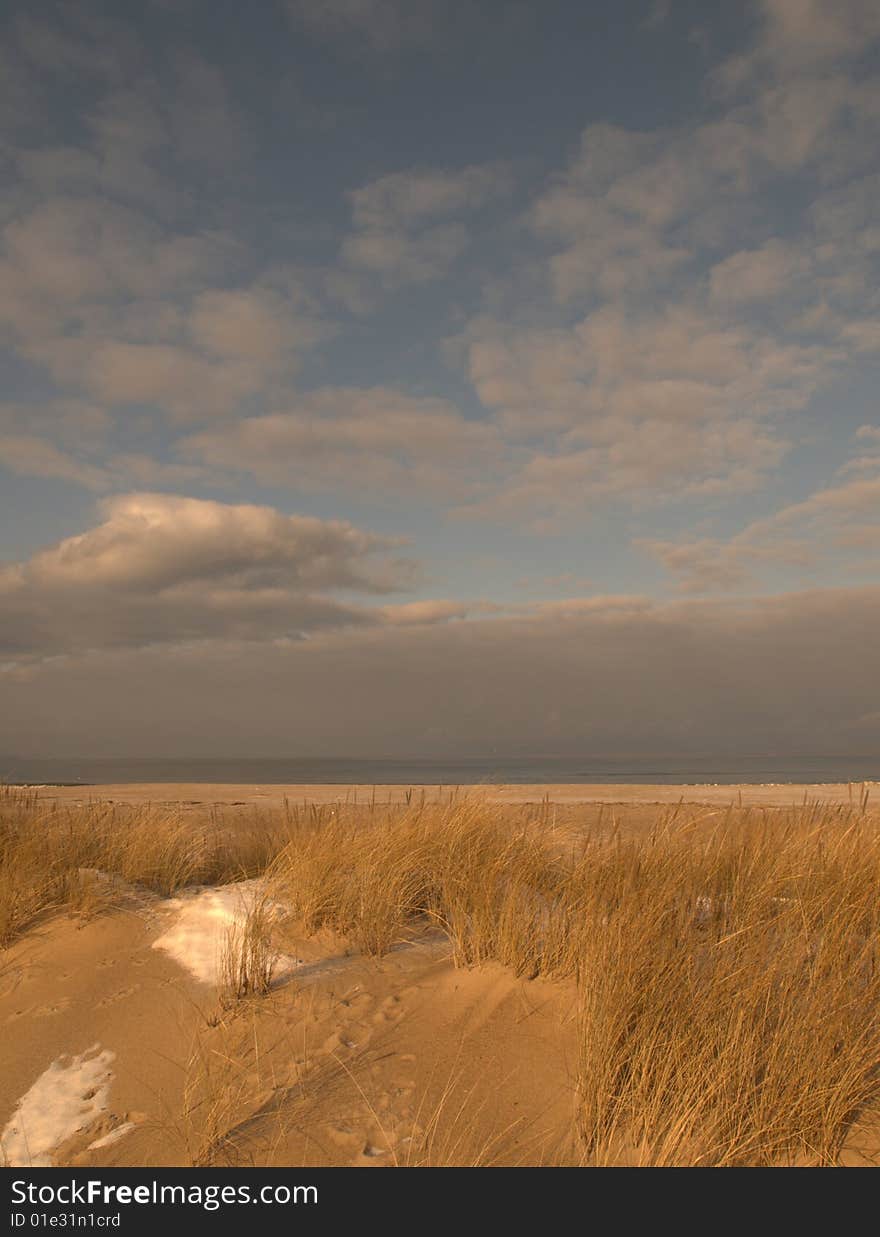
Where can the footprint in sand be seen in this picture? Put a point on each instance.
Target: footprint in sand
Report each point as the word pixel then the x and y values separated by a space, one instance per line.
pixel 355 1005
pixel 390 1010
pixel 119 996
pixel 40 1011
pixel 347 1038
pixel 49 1011
pixel 345 1136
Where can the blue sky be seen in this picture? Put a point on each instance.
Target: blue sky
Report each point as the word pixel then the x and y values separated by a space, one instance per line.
pixel 405 340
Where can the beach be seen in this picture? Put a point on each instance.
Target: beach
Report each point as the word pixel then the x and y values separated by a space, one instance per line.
pixel 391 976
pixel 271 795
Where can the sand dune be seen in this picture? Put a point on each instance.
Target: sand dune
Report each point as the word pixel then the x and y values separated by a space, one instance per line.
pixel 120 1052
pixel 127 1038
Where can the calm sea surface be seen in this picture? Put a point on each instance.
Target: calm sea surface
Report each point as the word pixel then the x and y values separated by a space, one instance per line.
pixel 453 772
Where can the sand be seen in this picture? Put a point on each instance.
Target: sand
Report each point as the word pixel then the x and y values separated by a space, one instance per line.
pixel 200 793
pixel 117 1054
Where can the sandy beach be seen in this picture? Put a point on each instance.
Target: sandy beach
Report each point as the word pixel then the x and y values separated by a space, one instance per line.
pixel 223 793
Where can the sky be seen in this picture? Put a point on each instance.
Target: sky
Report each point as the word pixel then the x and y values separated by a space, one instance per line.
pixel 433 377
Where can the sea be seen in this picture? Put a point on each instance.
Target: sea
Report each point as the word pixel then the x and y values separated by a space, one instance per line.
pixel 454 771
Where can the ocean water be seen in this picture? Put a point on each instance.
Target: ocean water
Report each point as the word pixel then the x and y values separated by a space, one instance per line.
pixel 669 770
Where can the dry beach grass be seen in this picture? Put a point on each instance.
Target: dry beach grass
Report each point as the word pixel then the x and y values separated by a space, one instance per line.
pixel 722 965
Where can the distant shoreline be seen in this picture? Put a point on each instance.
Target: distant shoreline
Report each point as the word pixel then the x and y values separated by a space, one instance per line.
pixel 587 770
pixel 773 794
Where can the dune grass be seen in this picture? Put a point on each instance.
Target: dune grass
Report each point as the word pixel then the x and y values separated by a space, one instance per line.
pixel 726 965
pixel 249 959
pixel 729 992
pixel 56 857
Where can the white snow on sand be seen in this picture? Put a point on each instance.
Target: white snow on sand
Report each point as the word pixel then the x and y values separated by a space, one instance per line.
pixel 66 1098
pixel 203 921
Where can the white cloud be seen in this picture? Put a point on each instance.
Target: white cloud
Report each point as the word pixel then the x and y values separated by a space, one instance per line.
pixel 161 569
pixel 156 540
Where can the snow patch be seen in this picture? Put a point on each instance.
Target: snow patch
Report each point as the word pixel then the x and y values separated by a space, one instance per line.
pixel 67 1097
pixel 204 918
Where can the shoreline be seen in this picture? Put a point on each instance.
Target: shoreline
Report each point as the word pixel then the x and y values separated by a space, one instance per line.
pixel 745 794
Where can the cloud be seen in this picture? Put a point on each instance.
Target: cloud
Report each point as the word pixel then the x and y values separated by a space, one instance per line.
pixel 637 403
pixel 413 613
pixel 756 274
pixel 398 234
pixel 801 83
pixel 251 325
pixel 798 35
pixel 818 534
pixel 205 125
pixel 377 442
pixel 658 15
pixel 161 569
pixel 611 677
pixel 149 116
pixel 608 208
pixel 128 312
pixel 410 198
pixel 61 438
pixel 78 43
pixel 379 30
pixel 680 323
pixel 676 293
pixel 171 378
pixel 636 211
pixel 72 249
pixel 106 286
pixel 401 259
pixel 31 456
pixel 67 440
pixel 70 258
pixel 157 540
pixel 379 26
